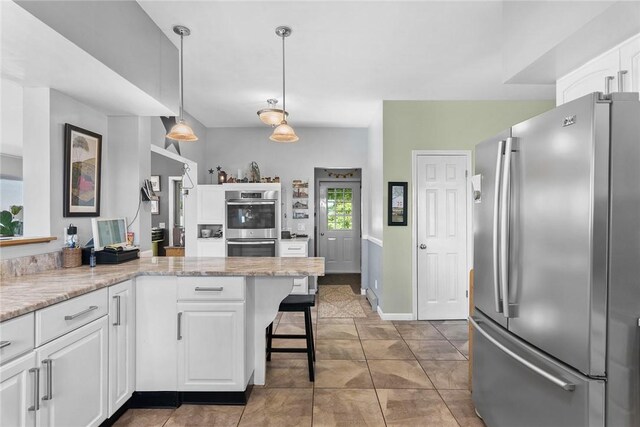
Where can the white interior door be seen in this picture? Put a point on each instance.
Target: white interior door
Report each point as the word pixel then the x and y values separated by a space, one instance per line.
pixel 442 237
pixel 339 226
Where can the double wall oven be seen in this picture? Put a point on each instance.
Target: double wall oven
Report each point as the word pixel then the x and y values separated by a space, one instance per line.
pixel 252 223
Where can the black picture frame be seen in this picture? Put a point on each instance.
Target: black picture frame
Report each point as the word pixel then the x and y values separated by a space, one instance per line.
pixel 397 194
pixel 82 172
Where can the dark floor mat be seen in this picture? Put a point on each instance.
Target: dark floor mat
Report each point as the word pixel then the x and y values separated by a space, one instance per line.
pixel 351 279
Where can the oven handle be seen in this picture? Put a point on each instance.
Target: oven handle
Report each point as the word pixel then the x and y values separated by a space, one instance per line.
pixel 262 242
pixel 249 203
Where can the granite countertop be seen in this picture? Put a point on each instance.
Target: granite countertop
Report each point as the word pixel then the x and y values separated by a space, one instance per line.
pixel 24 294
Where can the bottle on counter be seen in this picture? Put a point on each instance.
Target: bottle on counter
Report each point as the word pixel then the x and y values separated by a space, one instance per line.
pixel 92 258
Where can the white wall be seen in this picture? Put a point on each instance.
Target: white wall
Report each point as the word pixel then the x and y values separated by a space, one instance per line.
pixel 234 148
pixel 11 118
pixel 376 182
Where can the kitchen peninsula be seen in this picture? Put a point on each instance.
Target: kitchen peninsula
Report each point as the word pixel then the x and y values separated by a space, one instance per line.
pixel 165 330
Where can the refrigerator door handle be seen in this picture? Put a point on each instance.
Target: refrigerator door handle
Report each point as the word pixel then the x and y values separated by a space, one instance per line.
pixel 567 386
pixel 496 226
pixel 504 226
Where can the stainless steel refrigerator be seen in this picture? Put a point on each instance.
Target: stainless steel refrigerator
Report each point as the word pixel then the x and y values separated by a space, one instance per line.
pixel 556 332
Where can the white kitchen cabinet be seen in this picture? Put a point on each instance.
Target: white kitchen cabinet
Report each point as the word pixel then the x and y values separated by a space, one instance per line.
pixel 156 328
pixel 211 346
pixel 591 76
pixel 296 248
pixel 212 247
pixel 630 61
pixel 73 377
pixel 18 392
pixel 211 204
pixel 121 344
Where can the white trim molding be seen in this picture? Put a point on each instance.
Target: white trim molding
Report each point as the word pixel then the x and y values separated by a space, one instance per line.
pixel 394 316
pixel 372 240
pixel 414 212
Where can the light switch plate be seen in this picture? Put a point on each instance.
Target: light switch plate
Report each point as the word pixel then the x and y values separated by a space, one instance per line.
pixel 161 225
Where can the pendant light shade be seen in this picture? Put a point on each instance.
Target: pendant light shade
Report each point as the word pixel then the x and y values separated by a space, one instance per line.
pixel 283 132
pixel 181 131
pixel 271 116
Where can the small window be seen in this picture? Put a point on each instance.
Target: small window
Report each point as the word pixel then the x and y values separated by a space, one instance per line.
pixel 339 209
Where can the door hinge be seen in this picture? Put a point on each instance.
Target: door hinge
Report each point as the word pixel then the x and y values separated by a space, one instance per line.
pixel 466 174
pixel 467 294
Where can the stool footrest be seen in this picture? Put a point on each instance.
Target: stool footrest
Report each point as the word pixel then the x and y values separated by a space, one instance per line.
pixel 288 350
pixel 289 336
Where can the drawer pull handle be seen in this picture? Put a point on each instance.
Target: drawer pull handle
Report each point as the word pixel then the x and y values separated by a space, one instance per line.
pixel 36 389
pixel 295 248
pixel 117 322
pixel 49 384
pixel 4 344
pixel 209 289
pixel 73 316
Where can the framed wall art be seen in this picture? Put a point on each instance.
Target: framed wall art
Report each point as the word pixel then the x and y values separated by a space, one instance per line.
pixel 397 213
pixel 155 206
pixel 155 183
pixel 82 166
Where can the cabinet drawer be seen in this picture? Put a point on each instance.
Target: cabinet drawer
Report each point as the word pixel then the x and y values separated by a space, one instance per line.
pixel 211 288
pixel 300 285
pixel 57 320
pixel 293 249
pixel 16 337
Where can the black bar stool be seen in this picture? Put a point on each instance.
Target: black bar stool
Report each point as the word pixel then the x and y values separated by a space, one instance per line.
pixel 296 303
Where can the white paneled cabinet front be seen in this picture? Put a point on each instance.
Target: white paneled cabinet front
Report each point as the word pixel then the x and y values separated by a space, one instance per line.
pixel 121 344
pixel 210 204
pixel 211 345
pixel 211 247
pixel 18 392
pixel 620 66
pixel 630 62
pixel 73 377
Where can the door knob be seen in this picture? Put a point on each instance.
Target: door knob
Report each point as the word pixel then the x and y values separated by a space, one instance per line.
pixel 423 246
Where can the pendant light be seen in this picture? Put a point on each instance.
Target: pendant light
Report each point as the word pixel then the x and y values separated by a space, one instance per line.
pixel 271 115
pixel 284 132
pixel 181 131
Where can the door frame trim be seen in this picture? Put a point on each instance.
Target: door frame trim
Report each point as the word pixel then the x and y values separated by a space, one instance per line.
pixel 467 154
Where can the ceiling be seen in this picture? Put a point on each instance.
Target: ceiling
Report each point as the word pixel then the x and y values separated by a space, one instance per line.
pixel 343 58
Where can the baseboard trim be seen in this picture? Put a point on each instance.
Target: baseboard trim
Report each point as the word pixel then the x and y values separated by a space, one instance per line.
pixel 363 291
pixel 394 316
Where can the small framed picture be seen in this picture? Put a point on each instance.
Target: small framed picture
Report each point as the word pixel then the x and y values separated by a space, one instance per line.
pixel 397 214
pixel 155 183
pixel 155 206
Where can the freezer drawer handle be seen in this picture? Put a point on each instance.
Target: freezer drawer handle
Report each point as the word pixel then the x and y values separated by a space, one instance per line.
pixel 557 381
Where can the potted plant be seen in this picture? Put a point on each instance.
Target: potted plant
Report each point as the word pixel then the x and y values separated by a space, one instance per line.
pixel 10 224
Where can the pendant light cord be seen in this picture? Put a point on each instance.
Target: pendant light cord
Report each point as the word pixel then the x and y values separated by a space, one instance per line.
pixel 181 76
pixel 284 99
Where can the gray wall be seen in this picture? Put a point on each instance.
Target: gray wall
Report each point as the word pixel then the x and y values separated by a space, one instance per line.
pixel 67 110
pixel 120 35
pixel 235 148
pixel 10 167
pixel 165 167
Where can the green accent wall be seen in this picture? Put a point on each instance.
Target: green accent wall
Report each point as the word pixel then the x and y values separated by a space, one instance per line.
pixel 432 125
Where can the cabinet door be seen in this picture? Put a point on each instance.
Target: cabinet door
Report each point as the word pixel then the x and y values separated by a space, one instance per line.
pixel 17 385
pixel 589 78
pixel 211 247
pixel 121 344
pixel 211 347
pixel 630 62
pixel 156 351
pixel 210 204
pixel 73 377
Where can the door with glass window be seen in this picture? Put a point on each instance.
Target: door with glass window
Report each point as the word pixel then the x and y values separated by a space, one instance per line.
pixel 339 226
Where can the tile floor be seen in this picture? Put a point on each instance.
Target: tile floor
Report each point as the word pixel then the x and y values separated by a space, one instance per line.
pixel 369 372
